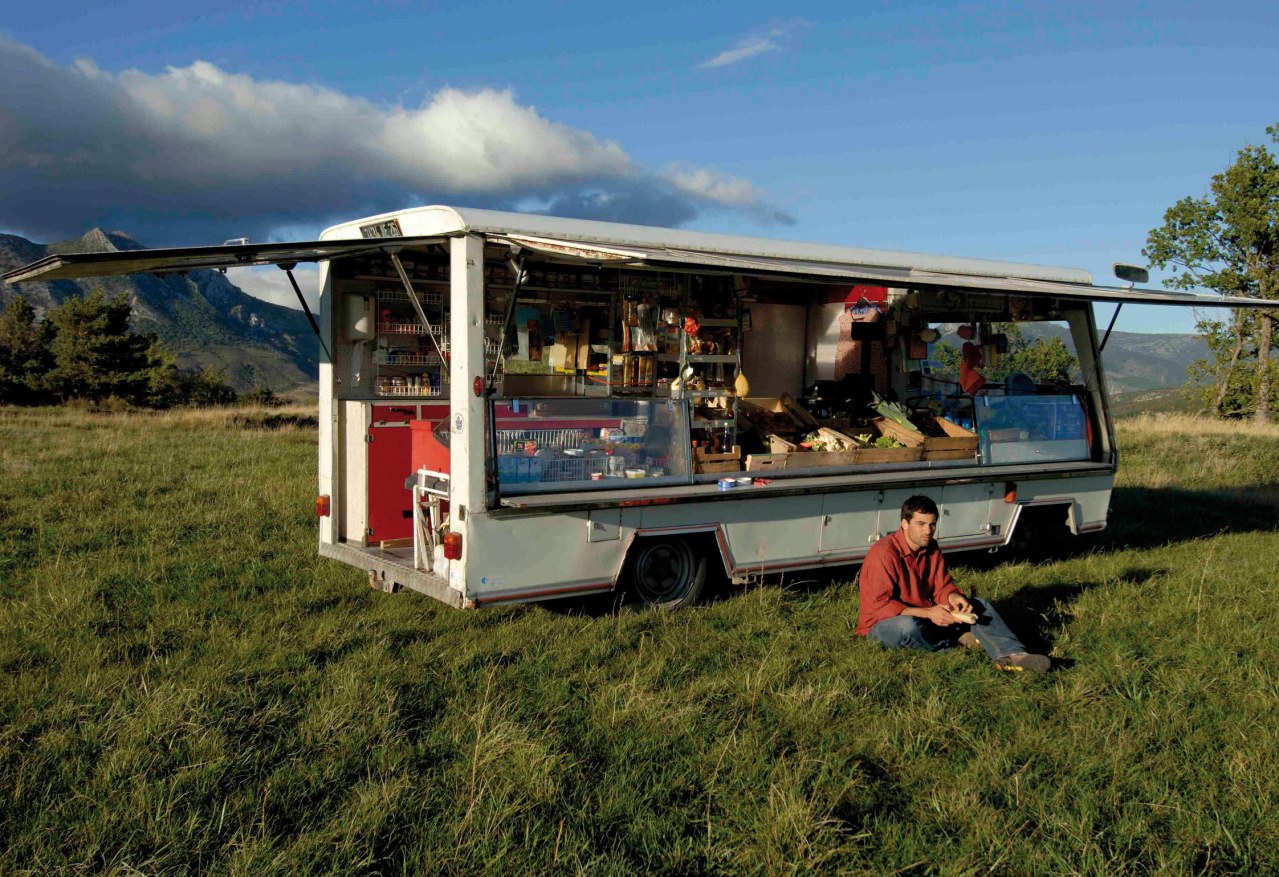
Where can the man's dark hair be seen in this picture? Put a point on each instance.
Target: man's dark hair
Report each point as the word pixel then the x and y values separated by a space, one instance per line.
pixel 918 503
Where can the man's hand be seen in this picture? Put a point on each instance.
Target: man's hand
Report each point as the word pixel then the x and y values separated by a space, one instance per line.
pixel 959 603
pixel 938 615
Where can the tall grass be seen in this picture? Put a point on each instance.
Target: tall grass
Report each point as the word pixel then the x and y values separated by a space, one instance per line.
pixel 188 688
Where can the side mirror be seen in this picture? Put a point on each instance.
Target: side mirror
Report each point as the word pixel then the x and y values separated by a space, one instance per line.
pixel 1131 273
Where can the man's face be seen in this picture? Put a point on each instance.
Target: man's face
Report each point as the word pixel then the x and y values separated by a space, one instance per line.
pixel 919 529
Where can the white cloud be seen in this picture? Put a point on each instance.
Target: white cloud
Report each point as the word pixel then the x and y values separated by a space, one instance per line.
pixel 747 48
pixel 272 285
pixel 199 153
pixel 730 192
pixel 770 39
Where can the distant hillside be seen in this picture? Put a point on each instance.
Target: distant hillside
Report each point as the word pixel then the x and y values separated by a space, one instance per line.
pixel 1152 402
pixel 206 319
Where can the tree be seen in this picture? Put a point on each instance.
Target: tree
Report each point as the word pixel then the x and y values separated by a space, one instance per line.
pixel 96 354
pixel 1228 241
pixel 1047 360
pixel 1218 384
pixel 24 353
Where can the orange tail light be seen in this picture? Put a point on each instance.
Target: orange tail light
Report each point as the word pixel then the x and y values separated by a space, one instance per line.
pixel 452 546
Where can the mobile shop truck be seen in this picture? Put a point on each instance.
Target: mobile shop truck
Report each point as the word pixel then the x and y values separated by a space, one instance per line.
pixel 520 407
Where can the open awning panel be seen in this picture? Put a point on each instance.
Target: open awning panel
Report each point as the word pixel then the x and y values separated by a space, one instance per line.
pixel 655 257
pixel 179 259
pixel 165 261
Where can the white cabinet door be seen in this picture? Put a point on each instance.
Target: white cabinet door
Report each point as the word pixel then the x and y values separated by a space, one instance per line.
pixel 965 513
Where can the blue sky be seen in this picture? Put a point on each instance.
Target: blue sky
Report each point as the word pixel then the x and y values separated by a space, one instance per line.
pixel 1050 133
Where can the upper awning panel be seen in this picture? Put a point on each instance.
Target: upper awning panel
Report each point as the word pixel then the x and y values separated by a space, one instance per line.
pixel 653 257
pixel 178 259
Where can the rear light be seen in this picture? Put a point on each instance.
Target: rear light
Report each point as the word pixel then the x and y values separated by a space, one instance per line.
pixel 322 506
pixel 452 546
pixel 1010 491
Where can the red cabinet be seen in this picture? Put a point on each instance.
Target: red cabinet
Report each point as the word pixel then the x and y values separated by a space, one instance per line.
pixel 379 462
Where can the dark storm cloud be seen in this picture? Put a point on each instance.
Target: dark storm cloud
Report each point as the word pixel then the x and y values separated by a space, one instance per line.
pixel 198 154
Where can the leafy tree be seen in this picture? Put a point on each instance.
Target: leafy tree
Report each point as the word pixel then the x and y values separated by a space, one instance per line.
pixel 24 353
pixel 1218 384
pixel 1047 360
pixel 1228 241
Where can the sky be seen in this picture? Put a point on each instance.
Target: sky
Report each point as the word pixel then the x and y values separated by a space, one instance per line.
pixel 1040 132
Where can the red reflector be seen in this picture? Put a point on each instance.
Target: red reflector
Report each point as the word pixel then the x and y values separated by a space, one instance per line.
pixel 1010 491
pixel 322 506
pixel 479 386
pixel 452 546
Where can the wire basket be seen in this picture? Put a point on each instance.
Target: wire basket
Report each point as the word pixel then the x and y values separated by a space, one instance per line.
pixel 510 441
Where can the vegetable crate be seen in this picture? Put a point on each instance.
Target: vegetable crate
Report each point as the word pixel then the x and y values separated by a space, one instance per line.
pixel 704 462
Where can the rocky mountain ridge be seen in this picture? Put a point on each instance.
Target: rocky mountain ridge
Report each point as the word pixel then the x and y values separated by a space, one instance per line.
pixel 207 320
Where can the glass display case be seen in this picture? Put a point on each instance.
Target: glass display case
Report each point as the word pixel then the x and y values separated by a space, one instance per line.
pixel 547 445
pixel 1040 429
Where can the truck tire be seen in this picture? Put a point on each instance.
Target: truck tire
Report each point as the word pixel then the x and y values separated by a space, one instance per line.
pixel 665 572
pixel 1041 534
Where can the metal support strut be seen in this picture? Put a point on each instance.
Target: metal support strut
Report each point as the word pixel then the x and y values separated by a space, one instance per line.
pixel 287 268
pixel 517 266
pixel 1115 316
pixel 417 305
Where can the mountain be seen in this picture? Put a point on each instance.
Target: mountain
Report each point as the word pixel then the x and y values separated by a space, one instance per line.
pixel 1137 361
pixel 207 320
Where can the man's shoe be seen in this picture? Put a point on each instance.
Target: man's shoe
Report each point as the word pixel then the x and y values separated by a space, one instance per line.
pixel 968 640
pixel 1023 662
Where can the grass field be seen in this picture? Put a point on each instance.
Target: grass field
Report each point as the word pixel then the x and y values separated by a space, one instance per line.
pixel 188 688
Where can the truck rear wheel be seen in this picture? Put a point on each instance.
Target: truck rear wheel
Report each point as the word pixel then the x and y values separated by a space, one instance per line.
pixel 666 572
pixel 1041 533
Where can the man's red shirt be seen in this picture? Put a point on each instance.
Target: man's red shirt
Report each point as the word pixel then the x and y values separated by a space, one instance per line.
pixel 894 576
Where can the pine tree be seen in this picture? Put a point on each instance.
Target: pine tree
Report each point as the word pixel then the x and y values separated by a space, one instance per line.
pixel 95 353
pixel 24 354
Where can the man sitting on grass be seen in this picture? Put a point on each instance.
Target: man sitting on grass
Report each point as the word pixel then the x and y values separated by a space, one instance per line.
pixel 908 599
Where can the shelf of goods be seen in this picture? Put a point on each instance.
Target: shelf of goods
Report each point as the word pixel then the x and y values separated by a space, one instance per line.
pixel 411 365
pixel 713 356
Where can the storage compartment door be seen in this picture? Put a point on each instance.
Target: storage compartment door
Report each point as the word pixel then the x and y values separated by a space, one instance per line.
pixel 849 521
pixel 390 508
pixel 965 513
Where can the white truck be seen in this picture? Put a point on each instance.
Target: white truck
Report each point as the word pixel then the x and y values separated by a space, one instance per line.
pixel 521 407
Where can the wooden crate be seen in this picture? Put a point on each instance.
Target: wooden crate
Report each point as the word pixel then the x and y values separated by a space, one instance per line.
pixel 836 439
pixel 961 454
pixel 767 414
pixel 907 437
pixel 956 439
pixel 766 462
pixel 822 459
pixel 797 411
pixel 704 462
pixel 889 455
pixel 779 445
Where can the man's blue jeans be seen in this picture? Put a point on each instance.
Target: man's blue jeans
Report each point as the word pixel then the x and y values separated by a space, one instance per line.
pixel 908 632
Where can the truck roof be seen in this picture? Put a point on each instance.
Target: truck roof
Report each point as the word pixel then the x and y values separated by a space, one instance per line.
pixel 445 220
